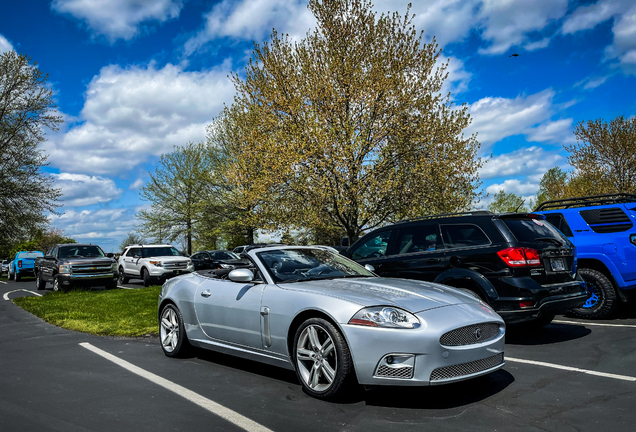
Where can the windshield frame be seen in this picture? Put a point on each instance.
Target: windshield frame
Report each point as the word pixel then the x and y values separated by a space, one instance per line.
pixel 315 253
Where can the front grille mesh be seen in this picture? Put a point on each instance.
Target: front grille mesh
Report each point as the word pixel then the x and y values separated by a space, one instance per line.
pixel 404 372
pixel 175 265
pixel 88 269
pixel 469 368
pixel 468 335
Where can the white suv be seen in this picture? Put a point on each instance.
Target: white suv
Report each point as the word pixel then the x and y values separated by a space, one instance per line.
pixel 152 263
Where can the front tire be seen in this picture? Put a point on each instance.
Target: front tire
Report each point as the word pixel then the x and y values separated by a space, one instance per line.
pixel 122 277
pixel 172 335
pixel 602 301
pixel 39 282
pixel 322 359
pixel 57 286
pixel 146 277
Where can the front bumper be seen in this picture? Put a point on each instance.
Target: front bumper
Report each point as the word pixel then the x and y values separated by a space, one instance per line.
pixel 88 279
pixel 25 271
pixel 161 274
pixel 433 363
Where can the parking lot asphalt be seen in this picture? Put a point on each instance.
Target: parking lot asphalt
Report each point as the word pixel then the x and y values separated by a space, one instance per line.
pixel 48 381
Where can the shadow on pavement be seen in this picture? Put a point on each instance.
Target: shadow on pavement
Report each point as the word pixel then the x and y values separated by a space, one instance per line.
pixel 550 334
pixel 440 397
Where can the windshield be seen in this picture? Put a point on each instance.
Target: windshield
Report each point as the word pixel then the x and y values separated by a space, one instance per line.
pixel 293 265
pixel 225 255
pixel 81 251
pixel 149 252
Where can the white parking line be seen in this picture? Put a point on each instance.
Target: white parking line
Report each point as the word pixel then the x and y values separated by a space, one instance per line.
pixel 6 295
pixel 593 324
pixel 213 407
pixel 3 282
pixel 573 369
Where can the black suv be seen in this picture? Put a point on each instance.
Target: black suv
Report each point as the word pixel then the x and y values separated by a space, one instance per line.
pixel 516 262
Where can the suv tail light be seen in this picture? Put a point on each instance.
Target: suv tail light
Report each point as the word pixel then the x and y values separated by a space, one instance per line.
pixel 19 263
pixel 520 257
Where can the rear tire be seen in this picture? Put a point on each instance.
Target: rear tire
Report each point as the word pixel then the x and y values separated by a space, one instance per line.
pixel 39 282
pixel 17 277
pixel 602 301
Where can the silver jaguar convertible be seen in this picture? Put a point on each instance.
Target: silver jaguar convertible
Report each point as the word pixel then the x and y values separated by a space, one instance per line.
pixel 332 321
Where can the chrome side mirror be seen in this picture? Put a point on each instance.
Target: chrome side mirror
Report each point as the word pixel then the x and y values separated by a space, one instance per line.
pixel 370 268
pixel 241 275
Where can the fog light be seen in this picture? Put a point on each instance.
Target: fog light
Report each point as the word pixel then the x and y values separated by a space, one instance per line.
pixel 526 304
pixel 389 359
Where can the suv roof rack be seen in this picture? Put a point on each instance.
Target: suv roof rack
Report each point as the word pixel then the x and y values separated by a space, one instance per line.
pixel 469 213
pixel 594 200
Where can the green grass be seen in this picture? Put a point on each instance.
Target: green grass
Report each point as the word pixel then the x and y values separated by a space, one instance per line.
pixel 107 313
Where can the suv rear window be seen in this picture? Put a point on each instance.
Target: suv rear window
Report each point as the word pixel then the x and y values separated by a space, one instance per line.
pixel 528 230
pixel 559 222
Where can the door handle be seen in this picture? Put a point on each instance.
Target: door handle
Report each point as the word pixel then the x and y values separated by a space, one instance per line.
pixel 206 293
pixel 432 260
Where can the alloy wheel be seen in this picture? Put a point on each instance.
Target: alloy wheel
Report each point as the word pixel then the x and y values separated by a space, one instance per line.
pixel 316 358
pixel 169 331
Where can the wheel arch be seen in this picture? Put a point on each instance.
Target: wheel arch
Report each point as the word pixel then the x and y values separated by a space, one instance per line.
pixel 301 318
pixel 469 279
pixel 600 266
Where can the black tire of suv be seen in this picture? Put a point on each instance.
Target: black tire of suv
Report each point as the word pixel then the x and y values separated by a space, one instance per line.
pixel 146 277
pixel 122 277
pixel 607 302
pixel 16 277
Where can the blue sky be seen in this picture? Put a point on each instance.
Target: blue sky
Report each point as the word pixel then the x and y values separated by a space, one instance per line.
pixel 133 78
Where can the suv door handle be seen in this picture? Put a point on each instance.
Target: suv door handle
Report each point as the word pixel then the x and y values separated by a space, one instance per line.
pixel 206 293
pixel 432 260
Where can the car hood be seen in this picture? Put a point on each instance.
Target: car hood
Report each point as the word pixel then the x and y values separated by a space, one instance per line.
pixel 168 258
pixel 411 295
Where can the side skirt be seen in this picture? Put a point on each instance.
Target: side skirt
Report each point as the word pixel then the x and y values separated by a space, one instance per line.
pixel 244 352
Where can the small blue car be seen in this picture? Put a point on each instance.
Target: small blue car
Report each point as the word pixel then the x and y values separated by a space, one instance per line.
pixel 22 264
pixel 603 229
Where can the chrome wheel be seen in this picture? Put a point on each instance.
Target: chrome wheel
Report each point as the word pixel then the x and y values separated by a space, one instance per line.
pixel 316 358
pixel 169 330
pixel 56 285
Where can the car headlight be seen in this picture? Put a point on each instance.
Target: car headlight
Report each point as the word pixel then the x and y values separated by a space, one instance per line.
pixel 227 266
pixel 64 269
pixel 189 263
pixel 156 263
pixel 385 316
pixel 113 267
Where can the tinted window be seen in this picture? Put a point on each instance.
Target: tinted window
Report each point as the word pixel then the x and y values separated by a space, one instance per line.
pixel 225 255
pixel 417 239
pixel 197 256
pixel 80 251
pixel 150 252
pixel 134 252
pixel 559 222
pixel 528 230
pixel 607 220
pixel 372 247
pixel 464 235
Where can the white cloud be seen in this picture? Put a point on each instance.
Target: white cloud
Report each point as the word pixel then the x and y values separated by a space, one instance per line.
pixel 623 12
pixel 5 45
pixel 507 23
pixel 498 118
pixel 83 190
pixel 530 161
pixel 106 227
pixel 514 186
pixel 502 23
pixel 133 113
pixel 458 77
pixel 118 19
pixel 137 184
pixel 558 132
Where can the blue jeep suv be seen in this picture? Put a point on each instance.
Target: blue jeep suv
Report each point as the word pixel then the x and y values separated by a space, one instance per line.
pixel 603 228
